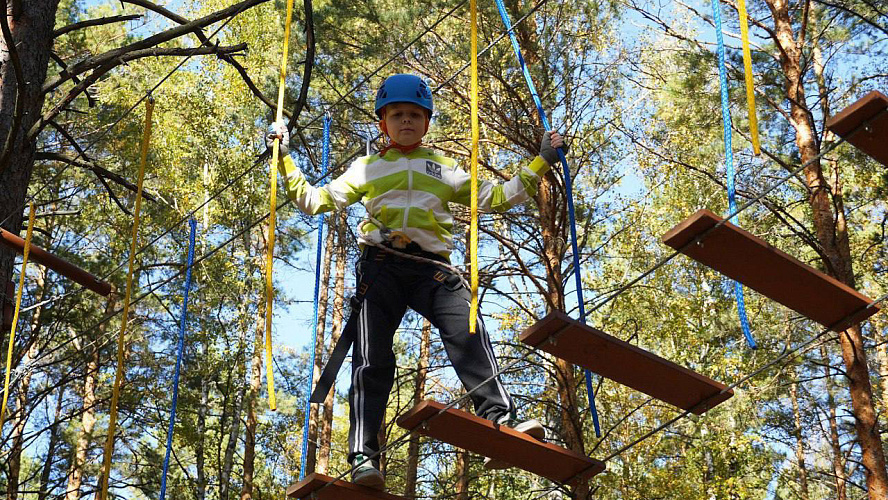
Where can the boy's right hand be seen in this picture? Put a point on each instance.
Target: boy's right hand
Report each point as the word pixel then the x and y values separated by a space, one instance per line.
pixel 278 130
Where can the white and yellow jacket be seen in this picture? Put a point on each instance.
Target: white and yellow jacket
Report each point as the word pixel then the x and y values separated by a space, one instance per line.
pixel 409 194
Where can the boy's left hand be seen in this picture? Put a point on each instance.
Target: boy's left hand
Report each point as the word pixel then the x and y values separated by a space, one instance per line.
pixel 551 141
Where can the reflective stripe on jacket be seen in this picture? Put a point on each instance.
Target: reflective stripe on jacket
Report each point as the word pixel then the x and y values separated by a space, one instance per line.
pixel 409 193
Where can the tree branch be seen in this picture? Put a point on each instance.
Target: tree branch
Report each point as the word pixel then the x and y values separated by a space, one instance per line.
pixel 204 40
pixel 307 65
pixel 99 171
pixel 94 22
pixel 114 56
pixel 55 57
pixel 123 58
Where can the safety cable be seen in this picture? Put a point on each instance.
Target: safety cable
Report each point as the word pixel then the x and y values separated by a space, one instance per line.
pixel 611 297
pixel 272 214
pixel 179 350
pixel 325 162
pixel 118 372
pixel 513 365
pixel 568 194
pixel 147 94
pixel 729 159
pixel 18 307
pixel 263 156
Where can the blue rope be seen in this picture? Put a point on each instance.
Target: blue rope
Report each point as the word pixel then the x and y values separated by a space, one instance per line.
pixel 166 459
pixel 569 191
pixel 325 162
pixel 729 160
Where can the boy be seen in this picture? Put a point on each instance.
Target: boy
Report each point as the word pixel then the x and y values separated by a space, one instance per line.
pixel 406 190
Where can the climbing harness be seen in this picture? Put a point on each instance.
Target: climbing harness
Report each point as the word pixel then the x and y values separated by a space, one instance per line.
pixel 18 307
pixel 568 190
pixel 375 255
pixel 729 160
pixel 375 259
pixel 181 347
pixel 118 374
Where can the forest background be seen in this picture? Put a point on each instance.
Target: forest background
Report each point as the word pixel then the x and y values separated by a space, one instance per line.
pixel 634 87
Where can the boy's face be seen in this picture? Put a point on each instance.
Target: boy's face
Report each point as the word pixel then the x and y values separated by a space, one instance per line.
pixel 405 122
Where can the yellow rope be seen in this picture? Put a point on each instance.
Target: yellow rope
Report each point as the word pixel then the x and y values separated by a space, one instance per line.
pixel 18 305
pixel 118 375
pixel 750 89
pixel 473 233
pixel 269 261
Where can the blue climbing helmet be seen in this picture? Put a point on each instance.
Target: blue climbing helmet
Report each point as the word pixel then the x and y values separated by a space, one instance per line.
pixel 404 88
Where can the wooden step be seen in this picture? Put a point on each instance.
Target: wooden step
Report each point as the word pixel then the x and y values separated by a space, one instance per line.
pixel 745 258
pixel 873 140
pixel 622 362
pixel 320 487
pixel 481 436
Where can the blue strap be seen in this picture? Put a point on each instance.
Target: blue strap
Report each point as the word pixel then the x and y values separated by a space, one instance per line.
pixel 729 160
pixel 180 348
pixel 325 162
pixel 569 194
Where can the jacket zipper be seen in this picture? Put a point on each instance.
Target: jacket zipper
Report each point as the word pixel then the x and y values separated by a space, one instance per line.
pixel 409 194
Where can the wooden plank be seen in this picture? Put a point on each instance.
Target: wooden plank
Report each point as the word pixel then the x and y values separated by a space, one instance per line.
pixel 625 363
pixel 317 486
pixel 746 258
pixel 483 437
pixel 57 264
pixel 872 140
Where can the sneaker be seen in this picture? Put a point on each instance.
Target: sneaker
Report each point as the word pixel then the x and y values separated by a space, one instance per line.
pixel 532 428
pixel 366 474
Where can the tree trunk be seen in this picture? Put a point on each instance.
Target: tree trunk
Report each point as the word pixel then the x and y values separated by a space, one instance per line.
pixel 252 399
pixel 54 435
pixel 32 33
pixel 566 374
pixel 832 237
pixel 838 459
pixel 314 416
pixel 202 429
pixel 418 396
pixel 326 425
pixel 462 466
pixel 800 441
pixel 88 418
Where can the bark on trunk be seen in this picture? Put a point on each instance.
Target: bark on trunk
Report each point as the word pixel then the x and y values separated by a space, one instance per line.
pixel 326 424
pixel 88 418
pixel 54 435
pixel 838 459
pixel 31 30
pixel 418 396
pixel 202 430
pixel 800 441
pixel 314 416
pixel 252 399
pixel 828 212
pixel 566 382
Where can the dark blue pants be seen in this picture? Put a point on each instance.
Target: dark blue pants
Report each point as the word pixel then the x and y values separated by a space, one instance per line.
pixel 397 284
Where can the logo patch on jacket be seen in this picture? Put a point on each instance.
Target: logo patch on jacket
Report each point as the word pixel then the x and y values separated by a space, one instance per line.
pixel 433 169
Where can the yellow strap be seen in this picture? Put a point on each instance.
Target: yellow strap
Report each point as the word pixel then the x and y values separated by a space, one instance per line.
pixel 272 172
pixel 750 89
pixel 18 305
pixel 473 233
pixel 118 375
